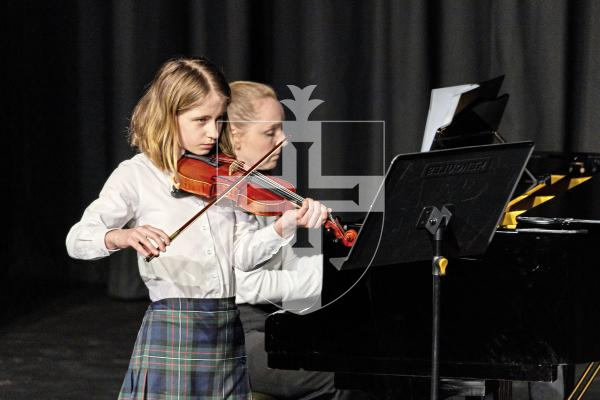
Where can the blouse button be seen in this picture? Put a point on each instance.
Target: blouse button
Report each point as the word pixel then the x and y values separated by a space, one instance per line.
pixel 209 252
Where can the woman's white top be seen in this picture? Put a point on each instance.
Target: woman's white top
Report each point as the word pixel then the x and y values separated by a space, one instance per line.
pixel 199 262
pixel 287 279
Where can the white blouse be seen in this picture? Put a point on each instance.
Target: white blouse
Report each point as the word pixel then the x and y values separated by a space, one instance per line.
pixel 199 262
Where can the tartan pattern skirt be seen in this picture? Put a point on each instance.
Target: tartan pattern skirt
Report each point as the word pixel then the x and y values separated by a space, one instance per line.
pixel 188 349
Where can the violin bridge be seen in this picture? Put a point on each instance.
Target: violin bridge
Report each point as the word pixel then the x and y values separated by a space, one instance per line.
pixel 235 166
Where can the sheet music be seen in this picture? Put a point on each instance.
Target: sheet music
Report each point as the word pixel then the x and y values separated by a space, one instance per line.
pixel 442 107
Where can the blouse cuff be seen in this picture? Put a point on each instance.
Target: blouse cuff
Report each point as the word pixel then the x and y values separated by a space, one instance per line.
pixel 100 243
pixel 272 235
pixel 270 242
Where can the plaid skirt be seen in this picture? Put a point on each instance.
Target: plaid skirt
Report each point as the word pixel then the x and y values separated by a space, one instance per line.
pixel 188 349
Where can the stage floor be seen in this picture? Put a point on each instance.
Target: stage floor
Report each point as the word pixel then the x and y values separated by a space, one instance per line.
pixel 77 346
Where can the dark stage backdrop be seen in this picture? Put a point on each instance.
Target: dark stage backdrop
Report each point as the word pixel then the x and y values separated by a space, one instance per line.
pixel 76 69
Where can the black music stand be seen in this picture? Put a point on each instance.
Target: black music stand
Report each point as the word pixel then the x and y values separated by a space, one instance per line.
pixel 438 205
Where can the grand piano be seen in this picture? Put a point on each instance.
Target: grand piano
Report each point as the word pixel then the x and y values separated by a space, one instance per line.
pixel 525 308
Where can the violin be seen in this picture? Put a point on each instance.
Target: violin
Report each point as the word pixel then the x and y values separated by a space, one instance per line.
pixel 214 178
pixel 263 195
pixel 208 177
pixel 204 186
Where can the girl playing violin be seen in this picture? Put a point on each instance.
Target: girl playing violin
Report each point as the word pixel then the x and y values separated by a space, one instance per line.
pixel 190 343
pixel 256 117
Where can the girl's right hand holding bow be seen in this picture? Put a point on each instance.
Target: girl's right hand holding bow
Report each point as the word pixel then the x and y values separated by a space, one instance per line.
pixel 146 240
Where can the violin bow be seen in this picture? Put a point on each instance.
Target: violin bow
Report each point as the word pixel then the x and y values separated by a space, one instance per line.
pixel 241 179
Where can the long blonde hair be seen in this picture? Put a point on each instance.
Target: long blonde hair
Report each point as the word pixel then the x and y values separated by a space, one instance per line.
pixel 242 108
pixel 179 85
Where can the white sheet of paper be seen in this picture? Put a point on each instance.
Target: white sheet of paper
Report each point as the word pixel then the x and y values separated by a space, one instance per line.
pixel 442 105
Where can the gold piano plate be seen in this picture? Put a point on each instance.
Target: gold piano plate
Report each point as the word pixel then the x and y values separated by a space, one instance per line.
pixel 541 193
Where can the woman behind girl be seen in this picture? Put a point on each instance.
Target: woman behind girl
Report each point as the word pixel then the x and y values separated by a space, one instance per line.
pixel 190 344
pixel 256 117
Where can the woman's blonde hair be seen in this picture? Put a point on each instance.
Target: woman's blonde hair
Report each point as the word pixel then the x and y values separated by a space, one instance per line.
pixel 242 107
pixel 179 85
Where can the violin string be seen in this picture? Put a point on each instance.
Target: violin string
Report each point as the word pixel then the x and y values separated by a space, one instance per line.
pixel 285 191
pixel 281 190
pixel 275 186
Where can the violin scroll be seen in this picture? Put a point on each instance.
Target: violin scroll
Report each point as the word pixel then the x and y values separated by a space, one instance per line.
pixel 346 236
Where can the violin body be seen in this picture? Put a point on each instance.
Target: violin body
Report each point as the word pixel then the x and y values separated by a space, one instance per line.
pixel 209 177
pixel 197 176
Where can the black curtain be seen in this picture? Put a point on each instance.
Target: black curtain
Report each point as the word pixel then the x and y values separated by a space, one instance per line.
pixel 76 69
